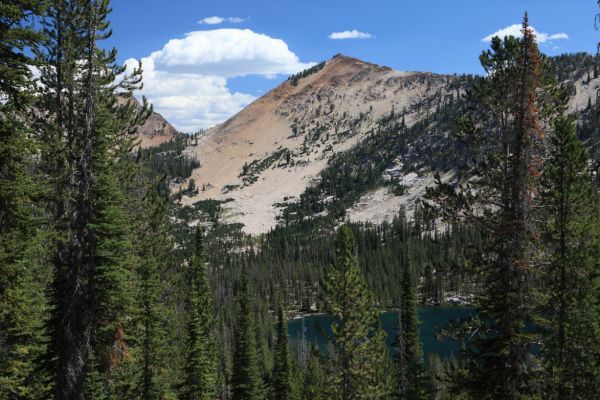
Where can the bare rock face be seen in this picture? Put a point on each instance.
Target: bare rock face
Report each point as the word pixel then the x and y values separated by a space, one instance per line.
pixel 155 130
pixel 273 149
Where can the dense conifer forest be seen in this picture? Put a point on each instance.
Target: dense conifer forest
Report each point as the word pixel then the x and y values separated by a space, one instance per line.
pixel 111 288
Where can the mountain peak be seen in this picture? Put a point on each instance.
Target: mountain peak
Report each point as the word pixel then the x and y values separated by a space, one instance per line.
pixel 345 59
pixel 155 130
pixel 274 148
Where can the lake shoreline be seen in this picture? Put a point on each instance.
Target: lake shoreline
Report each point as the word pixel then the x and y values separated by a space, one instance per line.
pixel 299 314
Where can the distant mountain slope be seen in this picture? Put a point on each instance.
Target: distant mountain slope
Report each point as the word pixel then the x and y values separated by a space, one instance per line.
pixel 273 149
pixel 156 130
pixel 353 138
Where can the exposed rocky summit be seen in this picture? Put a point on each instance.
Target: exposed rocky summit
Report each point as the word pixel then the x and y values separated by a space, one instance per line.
pixel 268 154
pixel 273 149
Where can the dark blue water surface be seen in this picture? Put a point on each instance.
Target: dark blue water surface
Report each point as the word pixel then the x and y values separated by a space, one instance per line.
pixel 432 318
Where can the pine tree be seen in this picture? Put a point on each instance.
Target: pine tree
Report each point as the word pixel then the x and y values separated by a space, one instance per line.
pixel 571 308
pixel 22 301
pixel 200 380
pixel 264 357
pixel 409 352
pixel 362 360
pixel 506 359
pixel 155 246
pixel 498 195
pixel 86 136
pixel 313 384
pixel 400 357
pixel 246 383
pixel 281 381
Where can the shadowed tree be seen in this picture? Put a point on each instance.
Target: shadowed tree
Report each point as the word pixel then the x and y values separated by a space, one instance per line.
pixel 246 382
pixel 201 363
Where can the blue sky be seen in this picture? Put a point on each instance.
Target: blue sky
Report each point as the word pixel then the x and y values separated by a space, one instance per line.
pixel 258 43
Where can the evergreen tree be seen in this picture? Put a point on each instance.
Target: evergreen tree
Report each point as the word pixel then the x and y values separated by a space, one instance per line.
pixel 22 302
pixel 571 308
pixel 245 381
pixel 155 246
pixel 281 381
pixel 400 357
pixel 362 360
pixel 313 384
pixel 86 136
pixel 497 195
pixel 200 381
pixel 409 352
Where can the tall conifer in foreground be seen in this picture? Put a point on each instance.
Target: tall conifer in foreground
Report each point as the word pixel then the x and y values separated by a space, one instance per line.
pixel 246 382
pixel 155 246
pixel 362 360
pixel 22 301
pixel 571 308
pixel 200 381
pixel 498 194
pixel 85 136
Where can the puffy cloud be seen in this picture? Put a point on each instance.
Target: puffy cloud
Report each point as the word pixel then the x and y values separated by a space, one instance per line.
pixel 219 20
pixel 228 53
pixel 353 34
pixel 515 30
pixel 186 80
pixel 189 101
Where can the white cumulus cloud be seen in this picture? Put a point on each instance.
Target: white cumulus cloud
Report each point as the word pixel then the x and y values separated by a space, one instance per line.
pixel 228 53
pixel 515 30
pixel 215 20
pixel 186 80
pixel 353 34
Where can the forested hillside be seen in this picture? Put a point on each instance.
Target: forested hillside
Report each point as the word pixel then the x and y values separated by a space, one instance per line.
pixel 122 278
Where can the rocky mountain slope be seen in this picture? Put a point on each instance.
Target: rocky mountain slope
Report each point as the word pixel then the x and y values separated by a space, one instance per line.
pixel 262 159
pixel 155 130
pixel 268 153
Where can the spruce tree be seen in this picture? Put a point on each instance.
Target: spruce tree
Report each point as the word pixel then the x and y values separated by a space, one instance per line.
pixel 498 195
pixel 571 306
pixel 200 382
pixel 246 382
pixel 22 301
pixel 281 381
pixel 409 352
pixel 86 136
pixel 314 381
pixel 362 361
pixel 155 246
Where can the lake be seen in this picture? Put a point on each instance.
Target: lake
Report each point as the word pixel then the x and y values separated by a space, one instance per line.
pixel 432 318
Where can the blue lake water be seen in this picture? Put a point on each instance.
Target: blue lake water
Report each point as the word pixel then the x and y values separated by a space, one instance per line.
pixel 432 318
